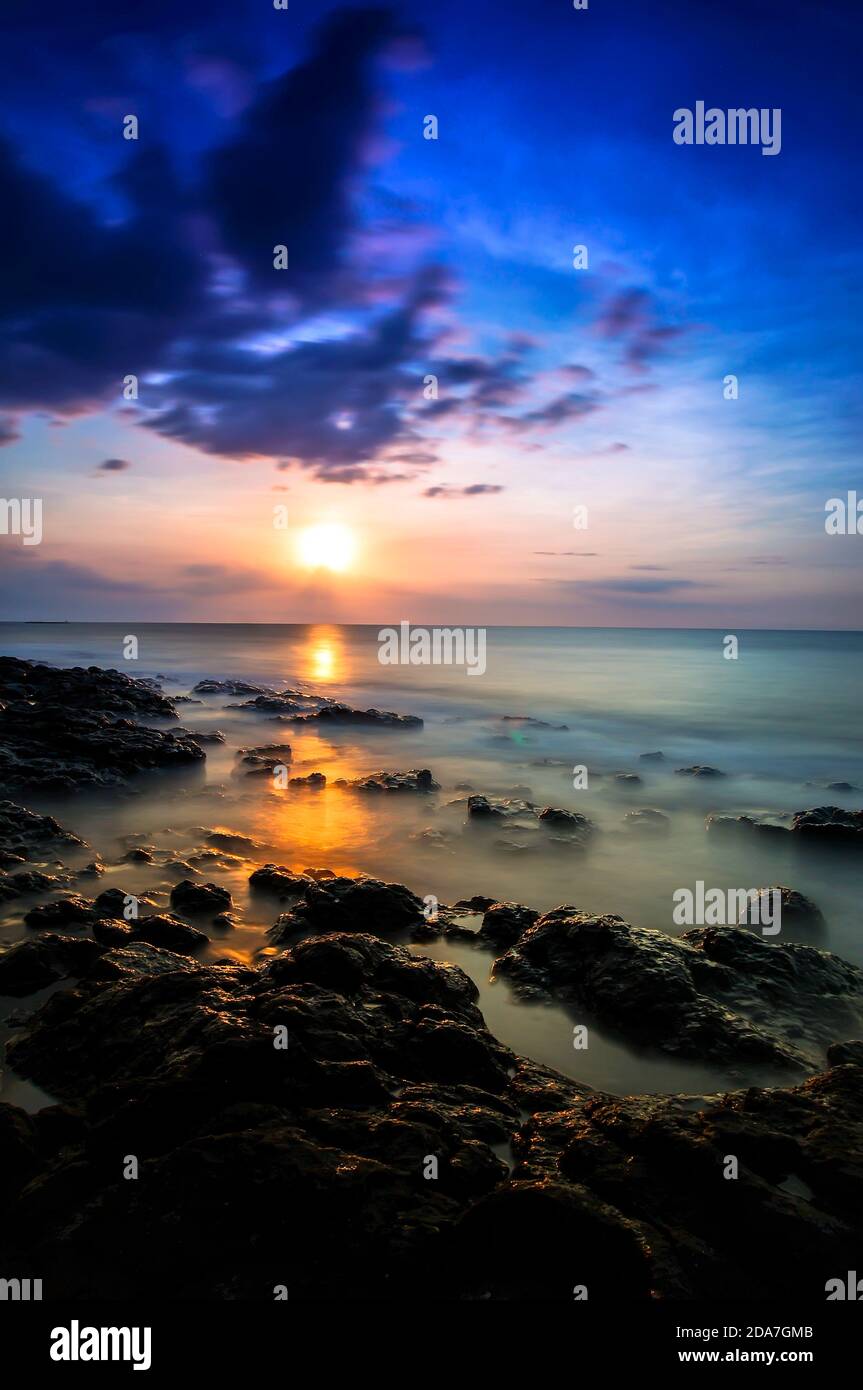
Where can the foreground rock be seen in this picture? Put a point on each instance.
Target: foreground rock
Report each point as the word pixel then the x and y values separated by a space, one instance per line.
pixel 308 1165
pixel 24 835
pixel 830 825
pixel 350 904
pixel 720 995
pixel 65 729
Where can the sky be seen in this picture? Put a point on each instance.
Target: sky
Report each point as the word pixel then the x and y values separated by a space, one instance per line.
pixel 503 436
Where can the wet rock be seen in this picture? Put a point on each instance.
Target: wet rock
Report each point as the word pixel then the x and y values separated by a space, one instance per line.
pixel 115 902
pixel 278 881
pixel 839 1054
pixel 24 835
pixel 33 965
pixel 829 825
pixel 503 923
pixel 112 931
pixel 202 735
pixel 65 729
pixel 698 770
pixel 210 687
pixel 315 781
pixel 416 780
pixel 647 820
pixel 344 715
pixel 232 842
pixel 168 932
pixel 28 883
pixel 627 779
pixel 200 897
pixel 482 809
pixel 92 870
pixel 797 910
pixel 475 904
pixel 722 995
pixel 139 855
pixel 351 905
pixel 319 875
pixel 61 913
pixel 575 823
pixel 324 1147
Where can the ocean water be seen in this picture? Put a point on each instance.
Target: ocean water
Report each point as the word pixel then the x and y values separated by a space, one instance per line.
pixel 782 722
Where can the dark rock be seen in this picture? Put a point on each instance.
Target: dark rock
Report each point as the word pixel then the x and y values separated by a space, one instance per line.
pixel 234 843
pixel 200 897
pixel 114 902
pixel 840 1054
pixel 627 779
pixel 698 770
pixel 581 827
pixel 210 687
pixel 476 903
pixel 164 930
pixel 416 780
pixel 351 905
pixel 481 808
pixel 721 995
pixel 375 718
pixel 797 910
pixel 33 965
pixel 315 781
pixel 65 729
pixel 647 820
pixel 73 911
pixel 503 923
pixel 139 855
pixel 278 881
pixel 24 835
pixel 652 757
pixel 829 825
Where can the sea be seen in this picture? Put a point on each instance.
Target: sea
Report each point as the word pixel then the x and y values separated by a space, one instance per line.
pixel 555 719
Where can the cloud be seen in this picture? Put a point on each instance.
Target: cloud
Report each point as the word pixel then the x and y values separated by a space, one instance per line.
pixel 114 465
pixel 632 317
pixel 8 430
pixel 474 490
pixel 582 553
pixel 638 586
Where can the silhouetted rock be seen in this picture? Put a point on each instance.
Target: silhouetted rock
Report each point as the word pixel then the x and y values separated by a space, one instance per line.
pixel 416 780
pixel 351 904
pixel 698 770
pixel 503 923
pixel 200 897
pixel 647 820
pixel 829 825
pixel 374 718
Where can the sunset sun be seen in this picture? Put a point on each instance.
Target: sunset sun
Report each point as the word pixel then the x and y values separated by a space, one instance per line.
pixel 330 546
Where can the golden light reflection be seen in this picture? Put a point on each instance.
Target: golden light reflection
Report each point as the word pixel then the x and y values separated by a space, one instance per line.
pixel 325 655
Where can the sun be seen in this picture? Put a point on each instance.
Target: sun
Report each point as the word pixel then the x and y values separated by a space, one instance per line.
pixel 330 546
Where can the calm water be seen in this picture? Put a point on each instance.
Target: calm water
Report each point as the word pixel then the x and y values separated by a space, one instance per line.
pixel 782 721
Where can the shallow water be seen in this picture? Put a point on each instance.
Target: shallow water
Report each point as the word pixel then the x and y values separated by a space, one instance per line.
pixel 782 721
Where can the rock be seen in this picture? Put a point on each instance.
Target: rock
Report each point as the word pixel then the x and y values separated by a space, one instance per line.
pixel 698 770
pixel 202 735
pixel 168 932
pixel 324 1146
pixel 65 729
pixel 581 827
pixel 139 855
pixel 729 824
pixel 721 995
pixel 33 965
pixel 92 870
pixel 319 875
pixel 841 787
pixel 114 902
pixel 475 904
pixel 72 911
pixel 315 781
pixel 416 780
pixel 627 779
pixel 28 883
pixel 647 820
pixel 24 835
pixel 200 897
pixel 112 931
pixel 829 825
pixel 234 843
pixel 351 905
pixel 652 757
pixel 482 809
pixel 530 723
pixel 278 881
pixel 210 687
pixel 840 1054
pixel 797 910
pixel 503 923
pixel 343 714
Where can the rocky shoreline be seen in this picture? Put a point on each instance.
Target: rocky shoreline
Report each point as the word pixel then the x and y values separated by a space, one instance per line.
pixel 338 1120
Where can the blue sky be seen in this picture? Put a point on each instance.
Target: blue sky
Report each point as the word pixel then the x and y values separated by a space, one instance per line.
pixel 558 387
